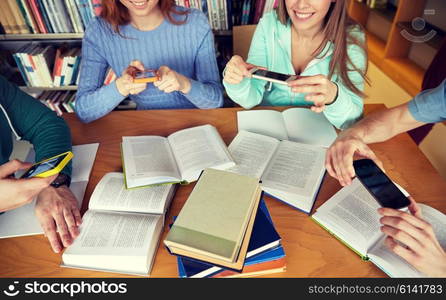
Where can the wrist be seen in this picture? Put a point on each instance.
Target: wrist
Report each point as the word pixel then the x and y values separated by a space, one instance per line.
pixel 186 85
pixel 119 86
pixel 336 93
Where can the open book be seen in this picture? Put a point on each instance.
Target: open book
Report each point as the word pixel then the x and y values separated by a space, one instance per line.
pixel 121 229
pixel 351 215
pixel 294 124
pixel 178 158
pixel 289 171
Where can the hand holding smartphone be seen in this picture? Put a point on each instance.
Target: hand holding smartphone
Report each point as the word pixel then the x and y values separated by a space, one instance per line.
pixel 146 76
pixel 272 76
pixel 49 167
pixel 379 185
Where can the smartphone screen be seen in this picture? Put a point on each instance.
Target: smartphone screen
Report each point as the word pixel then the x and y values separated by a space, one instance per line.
pixel 272 75
pixel 43 167
pixel 379 185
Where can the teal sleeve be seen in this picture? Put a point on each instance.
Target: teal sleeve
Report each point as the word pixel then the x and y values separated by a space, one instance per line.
pixel 35 123
pixel 348 107
pixel 249 92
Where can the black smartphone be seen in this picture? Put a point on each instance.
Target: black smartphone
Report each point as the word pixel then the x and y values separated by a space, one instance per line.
pixel 379 185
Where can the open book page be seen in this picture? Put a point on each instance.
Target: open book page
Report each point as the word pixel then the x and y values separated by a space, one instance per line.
pixel 295 169
pixel 307 127
pixel 148 157
pixel 251 153
pixel 198 148
pixel 351 214
pixel 111 194
pixel 115 241
pixel 266 122
pixel 396 266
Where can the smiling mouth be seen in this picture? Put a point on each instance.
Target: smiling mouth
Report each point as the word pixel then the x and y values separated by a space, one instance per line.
pixel 139 3
pixel 303 16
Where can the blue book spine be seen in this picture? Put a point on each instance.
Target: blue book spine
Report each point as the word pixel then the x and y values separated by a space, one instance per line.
pixel 45 16
pixel 75 70
pixel 21 68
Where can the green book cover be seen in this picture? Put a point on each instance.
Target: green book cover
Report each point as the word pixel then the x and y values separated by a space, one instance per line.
pixel 214 218
pixel 363 257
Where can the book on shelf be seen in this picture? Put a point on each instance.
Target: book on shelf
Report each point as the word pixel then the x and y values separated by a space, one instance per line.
pixel 121 229
pixel 217 219
pixel 351 216
pixel 46 66
pixel 264 247
pixel 181 157
pixel 47 16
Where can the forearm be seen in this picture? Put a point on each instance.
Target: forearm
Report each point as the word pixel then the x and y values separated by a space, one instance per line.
pixel 346 109
pixel 92 105
pixel 245 93
pixel 383 125
pixel 205 94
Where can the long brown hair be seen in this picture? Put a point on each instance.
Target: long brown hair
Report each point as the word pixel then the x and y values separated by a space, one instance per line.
pixel 116 14
pixel 337 26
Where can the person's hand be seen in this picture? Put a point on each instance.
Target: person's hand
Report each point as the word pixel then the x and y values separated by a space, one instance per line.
pixel 18 192
pixel 171 81
pixel 420 246
pixel 57 211
pixel 125 84
pixel 318 89
pixel 236 69
pixel 339 157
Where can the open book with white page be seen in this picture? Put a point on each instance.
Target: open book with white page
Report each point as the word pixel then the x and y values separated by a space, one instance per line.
pixel 300 125
pixel 12 222
pixel 351 216
pixel 121 229
pixel 289 171
pixel 178 158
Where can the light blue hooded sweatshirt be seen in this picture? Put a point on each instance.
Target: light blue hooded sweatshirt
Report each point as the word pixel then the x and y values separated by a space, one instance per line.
pixel 271 48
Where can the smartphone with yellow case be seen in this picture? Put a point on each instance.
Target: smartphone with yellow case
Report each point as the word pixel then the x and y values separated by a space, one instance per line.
pixel 49 167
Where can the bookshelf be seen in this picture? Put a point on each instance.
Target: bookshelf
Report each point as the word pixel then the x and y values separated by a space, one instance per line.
pixel 397 56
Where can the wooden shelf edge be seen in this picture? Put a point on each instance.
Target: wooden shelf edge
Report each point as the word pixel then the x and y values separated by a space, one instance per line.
pixel 48 88
pixel 39 36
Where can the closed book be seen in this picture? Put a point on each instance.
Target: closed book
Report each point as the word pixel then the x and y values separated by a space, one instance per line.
pixel 21 67
pixel 4 20
pixel 216 222
pixel 10 20
pixel 264 238
pixel 18 17
pixel 63 16
pixel 33 4
pixel 27 13
pixel 74 16
pixel 45 14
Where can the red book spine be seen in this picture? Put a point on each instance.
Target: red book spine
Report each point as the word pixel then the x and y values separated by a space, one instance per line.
pixel 37 16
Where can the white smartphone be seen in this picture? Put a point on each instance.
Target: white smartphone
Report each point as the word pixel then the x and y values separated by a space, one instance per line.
pixel 272 76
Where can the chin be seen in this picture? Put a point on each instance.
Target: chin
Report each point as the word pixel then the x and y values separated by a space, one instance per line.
pixel 139 7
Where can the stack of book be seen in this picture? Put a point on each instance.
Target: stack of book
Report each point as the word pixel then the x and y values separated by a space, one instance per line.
pixel 224 230
pixel 58 101
pixel 47 16
pixel 47 66
pixel 265 254
pixel 223 14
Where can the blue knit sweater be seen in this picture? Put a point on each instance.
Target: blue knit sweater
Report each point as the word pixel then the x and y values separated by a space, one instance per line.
pixel 188 49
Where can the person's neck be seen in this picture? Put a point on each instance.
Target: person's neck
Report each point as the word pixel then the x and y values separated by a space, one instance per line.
pixel 309 34
pixel 148 22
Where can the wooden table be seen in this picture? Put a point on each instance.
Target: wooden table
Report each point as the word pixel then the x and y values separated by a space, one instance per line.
pixel 310 250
